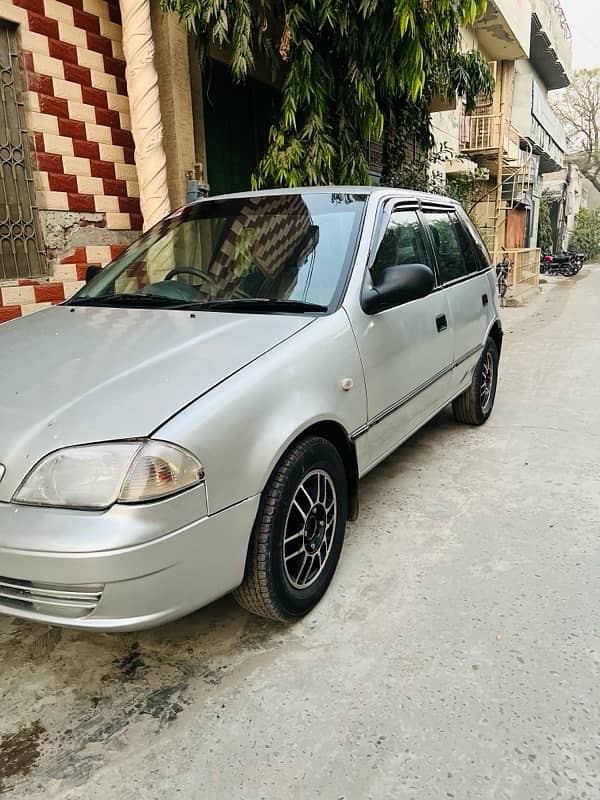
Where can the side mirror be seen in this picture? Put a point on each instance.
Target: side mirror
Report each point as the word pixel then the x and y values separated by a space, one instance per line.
pixel 91 272
pixel 398 285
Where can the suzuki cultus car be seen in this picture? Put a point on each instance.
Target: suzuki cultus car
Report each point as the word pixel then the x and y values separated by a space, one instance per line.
pixel 196 419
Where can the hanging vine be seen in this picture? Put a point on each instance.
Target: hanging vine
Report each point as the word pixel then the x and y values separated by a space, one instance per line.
pixel 409 154
pixel 350 69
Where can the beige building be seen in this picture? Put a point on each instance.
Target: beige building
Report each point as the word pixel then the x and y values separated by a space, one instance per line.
pixel 566 193
pixel 109 103
pixel 507 145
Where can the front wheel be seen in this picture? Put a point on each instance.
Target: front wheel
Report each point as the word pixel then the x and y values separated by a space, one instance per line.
pixel 475 405
pixel 298 534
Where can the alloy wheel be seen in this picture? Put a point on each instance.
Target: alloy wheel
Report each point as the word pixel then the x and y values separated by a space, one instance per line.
pixel 309 529
pixel 487 382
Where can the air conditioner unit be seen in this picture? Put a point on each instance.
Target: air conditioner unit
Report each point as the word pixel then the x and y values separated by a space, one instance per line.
pixel 462 166
pixel 482 174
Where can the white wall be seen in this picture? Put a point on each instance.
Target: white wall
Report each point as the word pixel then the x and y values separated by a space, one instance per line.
pixel 505 29
pixel 531 112
pixel 551 25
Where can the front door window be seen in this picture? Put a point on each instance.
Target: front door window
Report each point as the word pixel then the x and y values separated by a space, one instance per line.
pixel 403 243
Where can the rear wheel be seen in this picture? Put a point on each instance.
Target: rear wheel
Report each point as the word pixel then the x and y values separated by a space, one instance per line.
pixel 475 405
pixel 298 533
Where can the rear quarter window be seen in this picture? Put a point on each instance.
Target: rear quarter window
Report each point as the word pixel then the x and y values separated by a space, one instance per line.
pixel 449 249
pixel 483 255
pixel 472 258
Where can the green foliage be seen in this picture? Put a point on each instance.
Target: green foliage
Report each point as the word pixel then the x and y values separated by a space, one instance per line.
pixel 407 145
pixel 461 187
pixel 586 237
pixel 350 68
pixel 545 228
pixel 470 77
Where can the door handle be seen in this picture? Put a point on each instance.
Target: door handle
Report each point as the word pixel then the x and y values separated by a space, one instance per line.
pixel 441 322
pixel 485 300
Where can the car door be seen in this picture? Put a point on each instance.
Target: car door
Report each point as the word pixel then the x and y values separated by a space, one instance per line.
pixel 406 351
pixel 464 275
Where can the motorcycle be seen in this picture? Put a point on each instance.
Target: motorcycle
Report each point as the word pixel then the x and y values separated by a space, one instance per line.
pixel 578 260
pixel 566 264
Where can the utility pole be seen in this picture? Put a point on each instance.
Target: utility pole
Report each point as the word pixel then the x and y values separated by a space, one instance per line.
pixel 498 223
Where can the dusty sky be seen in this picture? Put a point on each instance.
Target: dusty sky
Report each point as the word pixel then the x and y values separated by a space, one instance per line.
pixel 583 17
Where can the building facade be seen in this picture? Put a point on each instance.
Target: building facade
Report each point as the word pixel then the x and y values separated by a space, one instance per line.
pixel 69 176
pixel 68 170
pixel 510 143
pixel 566 193
pixel 547 69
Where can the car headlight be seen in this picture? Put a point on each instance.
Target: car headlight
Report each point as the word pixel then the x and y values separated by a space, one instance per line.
pixel 97 475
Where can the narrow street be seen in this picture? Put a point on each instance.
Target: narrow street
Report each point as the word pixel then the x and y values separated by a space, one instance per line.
pixel 457 654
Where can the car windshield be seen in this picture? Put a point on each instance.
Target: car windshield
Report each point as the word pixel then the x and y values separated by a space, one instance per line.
pixel 262 252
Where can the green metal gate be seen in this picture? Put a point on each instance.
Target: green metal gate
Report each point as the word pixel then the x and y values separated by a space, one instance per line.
pixel 20 254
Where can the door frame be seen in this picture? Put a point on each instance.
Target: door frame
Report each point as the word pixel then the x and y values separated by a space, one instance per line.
pixel 360 321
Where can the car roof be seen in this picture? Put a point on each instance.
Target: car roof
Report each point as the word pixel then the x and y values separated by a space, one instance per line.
pixel 383 191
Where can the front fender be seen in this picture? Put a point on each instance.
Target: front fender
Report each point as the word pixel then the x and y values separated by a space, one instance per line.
pixel 241 428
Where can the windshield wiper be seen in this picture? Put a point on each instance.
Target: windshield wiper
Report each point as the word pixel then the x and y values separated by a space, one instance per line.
pixel 254 304
pixel 127 300
pixel 249 305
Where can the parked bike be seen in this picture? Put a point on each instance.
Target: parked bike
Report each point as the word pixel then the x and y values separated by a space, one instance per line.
pixel 503 269
pixel 566 264
pixel 578 260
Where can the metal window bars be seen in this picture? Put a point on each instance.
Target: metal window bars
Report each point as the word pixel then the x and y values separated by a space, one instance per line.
pixel 20 253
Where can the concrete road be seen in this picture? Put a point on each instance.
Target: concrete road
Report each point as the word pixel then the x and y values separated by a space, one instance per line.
pixel 457 654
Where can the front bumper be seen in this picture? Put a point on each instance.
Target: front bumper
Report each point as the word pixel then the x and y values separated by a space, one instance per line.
pixel 161 572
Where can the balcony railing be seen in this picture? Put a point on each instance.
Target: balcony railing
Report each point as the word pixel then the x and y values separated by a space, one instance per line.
pixel 524 276
pixel 486 135
pixel 536 121
pixel 555 7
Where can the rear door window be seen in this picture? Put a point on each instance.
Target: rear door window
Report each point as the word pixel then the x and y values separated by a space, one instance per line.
pixel 468 246
pixel 483 257
pixel 454 259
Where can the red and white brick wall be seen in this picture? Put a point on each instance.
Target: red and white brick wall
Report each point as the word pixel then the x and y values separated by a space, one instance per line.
pixel 76 108
pixel 77 117
pixel 21 297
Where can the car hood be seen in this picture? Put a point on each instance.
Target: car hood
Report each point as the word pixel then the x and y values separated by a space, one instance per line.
pixel 72 375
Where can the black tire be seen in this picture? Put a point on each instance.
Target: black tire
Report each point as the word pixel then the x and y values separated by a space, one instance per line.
pixel 469 406
pixel 267 589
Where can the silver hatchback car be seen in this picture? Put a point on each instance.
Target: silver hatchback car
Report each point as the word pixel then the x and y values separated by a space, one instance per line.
pixel 197 418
